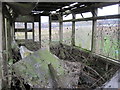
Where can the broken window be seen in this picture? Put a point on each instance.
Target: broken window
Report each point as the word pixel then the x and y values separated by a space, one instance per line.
pixel 107 38
pixel 83 34
pixel 67 32
pixel 55 31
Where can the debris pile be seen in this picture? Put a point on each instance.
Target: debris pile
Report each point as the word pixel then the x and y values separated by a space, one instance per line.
pixel 95 70
pixel 72 68
pixel 44 70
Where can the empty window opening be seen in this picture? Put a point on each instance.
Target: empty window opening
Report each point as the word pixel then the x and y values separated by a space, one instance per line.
pixel 107 38
pixel 83 34
pixel 55 31
pixel 36 31
pixel 44 31
pixel 108 10
pixel 67 32
pixel 19 35
pixel 66 17
pixel 29 31
pixel 19 25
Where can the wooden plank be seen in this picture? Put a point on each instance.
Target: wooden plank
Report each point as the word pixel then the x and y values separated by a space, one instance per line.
pixel 60 28
pixel 25 18
pixel 39 30
pixel 50 32
pixel 9 39
pixel 73 31
pixel 25 30
pixel 55 3
pixel 8 55
pixel 14 29
pixel 46 8
pixel 94 29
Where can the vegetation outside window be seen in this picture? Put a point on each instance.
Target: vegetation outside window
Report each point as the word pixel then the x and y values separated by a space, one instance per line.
pixel 83 34
pixel 67 32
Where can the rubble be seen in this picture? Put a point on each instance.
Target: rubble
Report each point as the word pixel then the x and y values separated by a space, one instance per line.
pixel 42 68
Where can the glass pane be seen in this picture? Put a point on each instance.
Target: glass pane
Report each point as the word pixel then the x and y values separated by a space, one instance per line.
pixel 19 35
pixel 107 38
pixel 108 10
pixel 67 32
pixel 83 34
pixel 55 31
pixel 19 25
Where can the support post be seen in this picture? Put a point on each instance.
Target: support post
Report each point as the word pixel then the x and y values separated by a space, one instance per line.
pixel 60 28
pixel 12 30
pixel 40 30
pixel 25 30
pixel 94 29
pixel 3 61
pixel 9 39
pixel 73 31
pixel 50 32
pixel 33 34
